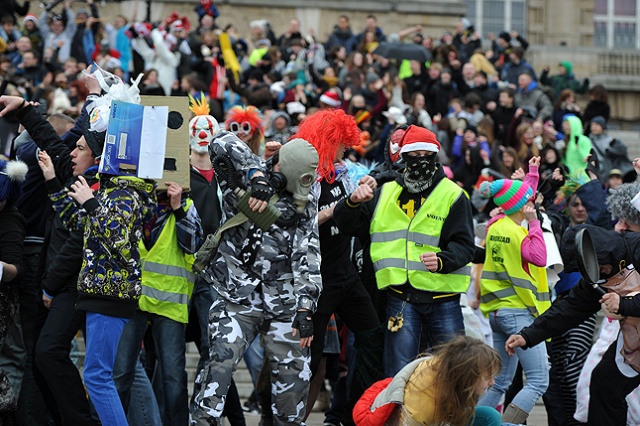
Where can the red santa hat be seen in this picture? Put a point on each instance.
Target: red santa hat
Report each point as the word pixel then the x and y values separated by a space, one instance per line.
pixel 181 24
pixel 416 138
pixel 31 17
pixel 331 99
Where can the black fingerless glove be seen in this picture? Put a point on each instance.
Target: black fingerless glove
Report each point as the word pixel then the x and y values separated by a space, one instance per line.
pixel 261 188
pixel 303 323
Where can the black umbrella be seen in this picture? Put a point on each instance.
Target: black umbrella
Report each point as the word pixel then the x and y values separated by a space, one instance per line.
pixel 403 51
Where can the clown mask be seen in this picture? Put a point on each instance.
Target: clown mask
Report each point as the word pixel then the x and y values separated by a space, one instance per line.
pixel 203 128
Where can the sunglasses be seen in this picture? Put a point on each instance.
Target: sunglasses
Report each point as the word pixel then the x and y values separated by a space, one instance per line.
pixel 236 127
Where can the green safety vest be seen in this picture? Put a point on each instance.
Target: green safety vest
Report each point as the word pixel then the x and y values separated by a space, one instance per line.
pixel 397 241
pixel 167 280
pixel 505 283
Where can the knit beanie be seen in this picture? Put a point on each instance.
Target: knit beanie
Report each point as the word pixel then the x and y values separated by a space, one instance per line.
pixel 94 139
pixel 599 120
pixel 509 194
pixel 567 66
pixel 12 174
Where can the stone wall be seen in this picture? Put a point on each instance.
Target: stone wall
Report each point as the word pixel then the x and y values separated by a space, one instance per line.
pixel 593 63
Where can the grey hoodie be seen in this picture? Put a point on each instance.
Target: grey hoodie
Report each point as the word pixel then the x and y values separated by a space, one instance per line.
pixel 272 134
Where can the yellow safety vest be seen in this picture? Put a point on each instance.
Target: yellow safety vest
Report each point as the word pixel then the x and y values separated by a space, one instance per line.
pixel 397 241
pixel 505 283
pixel 167 280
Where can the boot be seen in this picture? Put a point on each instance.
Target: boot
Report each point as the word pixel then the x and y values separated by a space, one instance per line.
pixel 514 414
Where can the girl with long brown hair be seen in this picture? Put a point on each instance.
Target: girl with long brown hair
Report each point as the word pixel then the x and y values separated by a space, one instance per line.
pixel 527 149
pixel 439 389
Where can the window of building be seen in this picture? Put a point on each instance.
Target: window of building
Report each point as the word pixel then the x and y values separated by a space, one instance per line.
pixel 600 34
pixel 616 24
pixel 624 8
pixel 495 16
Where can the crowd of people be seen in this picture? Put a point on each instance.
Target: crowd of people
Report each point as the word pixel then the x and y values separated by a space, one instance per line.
pixel 347 212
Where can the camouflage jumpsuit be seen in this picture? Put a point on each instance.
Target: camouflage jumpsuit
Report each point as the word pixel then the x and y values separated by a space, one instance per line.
pixel 262 278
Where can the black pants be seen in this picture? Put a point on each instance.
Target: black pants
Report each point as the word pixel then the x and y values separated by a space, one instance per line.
pixel 353 304
pixel 32 409
pixel 61 384
pixel 608 390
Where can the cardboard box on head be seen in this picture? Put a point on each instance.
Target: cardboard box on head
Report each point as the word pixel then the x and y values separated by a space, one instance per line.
pixel 177 167
pixel 135 138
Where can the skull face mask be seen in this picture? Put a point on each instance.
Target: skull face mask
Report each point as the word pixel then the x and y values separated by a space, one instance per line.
pixel 202 130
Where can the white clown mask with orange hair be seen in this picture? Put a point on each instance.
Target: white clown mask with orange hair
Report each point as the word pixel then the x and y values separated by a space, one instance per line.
pixel 203 127
pixel 202 130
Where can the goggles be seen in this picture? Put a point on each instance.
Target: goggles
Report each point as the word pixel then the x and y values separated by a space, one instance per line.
pixel 244 127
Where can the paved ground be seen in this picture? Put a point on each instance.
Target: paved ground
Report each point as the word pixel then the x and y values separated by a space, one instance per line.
pixel 538 417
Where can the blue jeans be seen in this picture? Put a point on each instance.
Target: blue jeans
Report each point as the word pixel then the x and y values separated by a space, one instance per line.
pixel 143 406
pixel 254 357
pixel 170 349
pixel 504 323
pixel 425 325
pixel 103 335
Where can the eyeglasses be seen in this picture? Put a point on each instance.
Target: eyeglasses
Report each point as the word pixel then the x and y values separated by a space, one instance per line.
pixel 236 127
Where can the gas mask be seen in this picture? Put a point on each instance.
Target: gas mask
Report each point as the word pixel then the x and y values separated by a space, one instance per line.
pixel 419 172
pixel 298 161
pixel 202 128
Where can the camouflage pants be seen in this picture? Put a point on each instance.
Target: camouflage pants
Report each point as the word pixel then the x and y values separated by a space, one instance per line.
pixel 8 306
pixel 232 327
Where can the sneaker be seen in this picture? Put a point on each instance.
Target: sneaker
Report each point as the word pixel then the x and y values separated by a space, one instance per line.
pixel 251 408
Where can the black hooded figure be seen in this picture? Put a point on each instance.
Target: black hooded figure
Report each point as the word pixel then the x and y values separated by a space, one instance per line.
pixel 613 378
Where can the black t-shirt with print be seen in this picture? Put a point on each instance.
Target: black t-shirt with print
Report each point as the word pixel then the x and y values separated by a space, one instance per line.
pixel 335 247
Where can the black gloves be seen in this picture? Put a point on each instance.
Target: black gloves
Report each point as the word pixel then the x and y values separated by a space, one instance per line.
pixel 302 321
pixel 261 188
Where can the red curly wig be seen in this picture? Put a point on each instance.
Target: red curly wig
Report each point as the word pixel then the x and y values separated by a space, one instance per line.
pixel 325 130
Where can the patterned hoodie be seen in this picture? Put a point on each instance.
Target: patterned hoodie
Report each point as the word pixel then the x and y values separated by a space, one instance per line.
pixel 113 224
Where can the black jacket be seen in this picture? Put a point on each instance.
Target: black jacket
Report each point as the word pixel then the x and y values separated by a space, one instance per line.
pixel 456 239
pixel 12 239
pixel 205 199
pixel 34 204
pixel 63 255
pixel 9 7
pixel 583 300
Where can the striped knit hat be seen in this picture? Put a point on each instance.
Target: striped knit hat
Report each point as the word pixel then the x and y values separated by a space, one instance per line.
pixel 509 194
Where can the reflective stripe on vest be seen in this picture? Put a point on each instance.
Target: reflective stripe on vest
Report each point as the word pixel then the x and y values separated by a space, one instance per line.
pixel 169 270
pixel 397 241
pixel 165 295
pixel 505 284
pixel 167 280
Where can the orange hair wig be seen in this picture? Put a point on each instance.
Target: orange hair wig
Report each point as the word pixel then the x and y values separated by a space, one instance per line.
pixel 325 130
pixel 249 115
